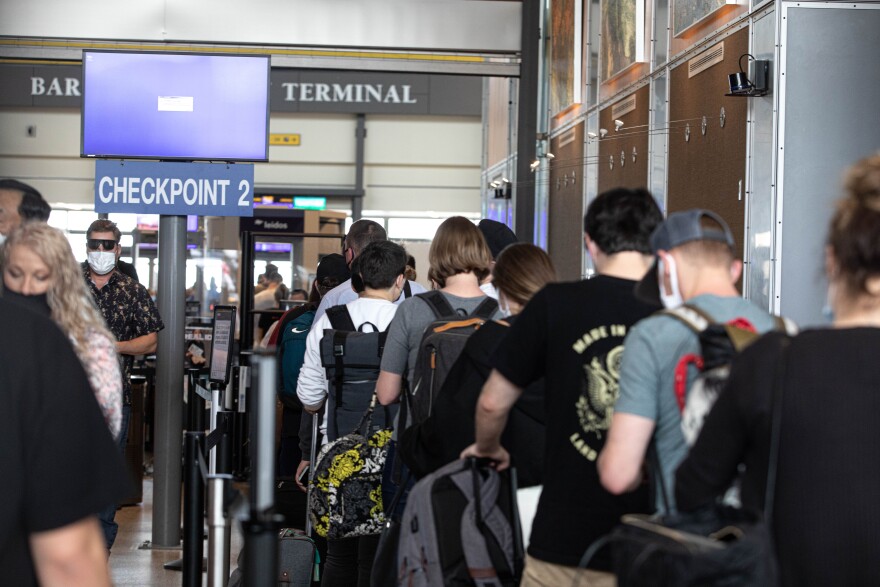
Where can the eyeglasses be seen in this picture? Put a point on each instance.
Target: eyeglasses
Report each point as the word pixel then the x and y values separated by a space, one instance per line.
pixel 94 243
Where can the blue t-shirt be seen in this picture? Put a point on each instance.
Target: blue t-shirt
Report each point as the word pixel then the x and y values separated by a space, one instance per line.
pixel 652 350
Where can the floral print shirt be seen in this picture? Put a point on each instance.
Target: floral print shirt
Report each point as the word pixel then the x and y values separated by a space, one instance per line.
pixel 129 313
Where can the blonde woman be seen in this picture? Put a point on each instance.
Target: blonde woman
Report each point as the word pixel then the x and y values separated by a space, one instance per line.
pixel 39 271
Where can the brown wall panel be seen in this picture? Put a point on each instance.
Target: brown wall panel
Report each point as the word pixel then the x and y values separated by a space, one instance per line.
pixel 566 197
pixel 633 135
pixel 706 171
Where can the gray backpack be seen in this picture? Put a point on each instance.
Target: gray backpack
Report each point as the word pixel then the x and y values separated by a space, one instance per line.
pixel 461 527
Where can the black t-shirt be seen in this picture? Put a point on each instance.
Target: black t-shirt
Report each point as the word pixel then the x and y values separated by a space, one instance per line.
pixel 826 517
pixel 58 462
pixel 572 335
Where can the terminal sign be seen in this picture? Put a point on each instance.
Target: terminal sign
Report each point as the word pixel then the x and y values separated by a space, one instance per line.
pixel 175 189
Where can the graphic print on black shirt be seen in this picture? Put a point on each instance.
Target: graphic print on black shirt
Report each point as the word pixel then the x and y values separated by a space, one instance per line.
pixel 572 335
pixel 599 390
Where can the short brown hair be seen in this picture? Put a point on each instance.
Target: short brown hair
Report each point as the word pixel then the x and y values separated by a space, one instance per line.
pixel 458 247
pixel 104 225
pixel 708 252
pixel 854 235
pixel 521 270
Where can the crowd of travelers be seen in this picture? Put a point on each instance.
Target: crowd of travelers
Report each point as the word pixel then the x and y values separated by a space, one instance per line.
pixel 609 393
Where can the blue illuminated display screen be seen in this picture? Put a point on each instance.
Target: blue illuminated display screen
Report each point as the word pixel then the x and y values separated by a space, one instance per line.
pixel 175 106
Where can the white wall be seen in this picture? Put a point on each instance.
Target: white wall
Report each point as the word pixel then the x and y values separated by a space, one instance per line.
pixel 448 25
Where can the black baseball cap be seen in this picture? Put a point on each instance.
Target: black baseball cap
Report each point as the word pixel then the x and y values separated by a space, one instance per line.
pixel 497 235
pixel 333 265
pixel 680 228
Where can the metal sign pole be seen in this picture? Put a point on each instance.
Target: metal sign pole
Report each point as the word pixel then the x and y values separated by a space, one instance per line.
pixel 169 380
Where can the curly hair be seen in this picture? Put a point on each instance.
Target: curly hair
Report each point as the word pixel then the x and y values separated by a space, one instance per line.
pixel 73 307
pixel 854 234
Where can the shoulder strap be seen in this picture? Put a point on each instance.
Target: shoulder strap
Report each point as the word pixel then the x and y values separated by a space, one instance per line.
pixel 486 309
pixel 407 290
pixel 340 318
pixel 438 303
pixel 690 316
pixel 776 432
pixel 785 325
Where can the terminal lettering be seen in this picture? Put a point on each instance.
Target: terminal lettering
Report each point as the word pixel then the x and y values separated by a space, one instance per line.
pixel 311 92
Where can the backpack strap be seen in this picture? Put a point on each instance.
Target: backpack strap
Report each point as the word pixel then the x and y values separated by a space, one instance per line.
pixel 697 321
pixel 480 518
pixel 341 322
pixel 785 325
pixel 690 316
pixel 681 375
pixel 438 303
pixel 407 289
pixel 486 309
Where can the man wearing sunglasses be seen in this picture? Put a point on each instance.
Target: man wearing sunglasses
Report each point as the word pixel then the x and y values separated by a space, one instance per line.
pixel 130 315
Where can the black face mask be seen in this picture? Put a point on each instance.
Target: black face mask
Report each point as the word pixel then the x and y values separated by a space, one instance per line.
pixel 38 303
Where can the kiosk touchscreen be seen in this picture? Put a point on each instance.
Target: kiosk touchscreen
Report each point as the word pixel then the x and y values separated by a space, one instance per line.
pixel 221 349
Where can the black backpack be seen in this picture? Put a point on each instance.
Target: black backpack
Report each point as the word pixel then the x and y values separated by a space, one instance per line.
pixel 352 358
pixel 719 344
pixel 442 343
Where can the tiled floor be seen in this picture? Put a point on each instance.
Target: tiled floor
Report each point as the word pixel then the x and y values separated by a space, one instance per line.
pixel 131 566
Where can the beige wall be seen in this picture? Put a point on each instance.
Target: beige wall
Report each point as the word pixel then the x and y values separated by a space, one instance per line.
pixel 412 163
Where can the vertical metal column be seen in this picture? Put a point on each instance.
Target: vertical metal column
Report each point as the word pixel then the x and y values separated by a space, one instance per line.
pixel 261 542
pixel 169 382
pixel 246 291
pixel 527 120
pixel 360 134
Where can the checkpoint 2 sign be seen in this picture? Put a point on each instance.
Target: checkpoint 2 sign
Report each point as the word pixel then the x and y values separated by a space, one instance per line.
pixel 174 188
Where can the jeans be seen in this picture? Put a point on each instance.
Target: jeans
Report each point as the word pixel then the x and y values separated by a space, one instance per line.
pixel 106 516
pixel 350 561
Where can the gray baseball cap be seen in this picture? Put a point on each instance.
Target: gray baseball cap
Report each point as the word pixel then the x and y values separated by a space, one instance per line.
pixel 680 228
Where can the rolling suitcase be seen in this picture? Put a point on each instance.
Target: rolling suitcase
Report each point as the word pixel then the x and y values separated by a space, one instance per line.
pixel 298 559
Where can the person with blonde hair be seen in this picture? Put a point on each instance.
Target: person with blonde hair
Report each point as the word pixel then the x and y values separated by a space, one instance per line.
pixel 824 517
pixel 40 271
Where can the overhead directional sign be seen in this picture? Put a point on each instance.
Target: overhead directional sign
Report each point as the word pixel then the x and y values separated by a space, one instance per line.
pixel 174 188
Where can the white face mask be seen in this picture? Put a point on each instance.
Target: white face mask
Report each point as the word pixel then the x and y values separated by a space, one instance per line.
pixel 102 262
pixel 2 239
pixel 674 299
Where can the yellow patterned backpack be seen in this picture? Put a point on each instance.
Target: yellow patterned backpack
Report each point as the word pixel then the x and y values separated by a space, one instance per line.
pixel 346 496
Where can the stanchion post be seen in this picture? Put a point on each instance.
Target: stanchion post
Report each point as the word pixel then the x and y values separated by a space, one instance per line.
pixel 224 446
pixel 193 510
pixel 218 532
pixel 261 541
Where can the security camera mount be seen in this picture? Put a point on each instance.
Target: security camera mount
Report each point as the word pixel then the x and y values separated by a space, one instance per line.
pixel 758 81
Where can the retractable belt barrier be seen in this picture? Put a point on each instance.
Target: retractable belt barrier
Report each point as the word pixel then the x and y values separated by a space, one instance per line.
pixel 209 461
pixel 215 474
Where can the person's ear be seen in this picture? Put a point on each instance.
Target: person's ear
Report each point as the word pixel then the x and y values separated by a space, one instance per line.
pixel 401 279
pixel 831 264
pixel 736 269
pixel 665 278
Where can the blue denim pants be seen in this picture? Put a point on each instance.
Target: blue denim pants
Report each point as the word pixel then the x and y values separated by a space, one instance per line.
pixel 106 516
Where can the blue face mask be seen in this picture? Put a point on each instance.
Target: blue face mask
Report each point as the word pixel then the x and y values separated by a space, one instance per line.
pixel 38 303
